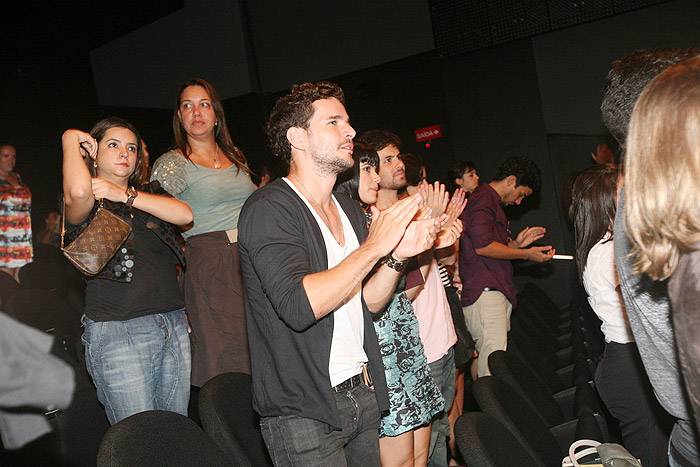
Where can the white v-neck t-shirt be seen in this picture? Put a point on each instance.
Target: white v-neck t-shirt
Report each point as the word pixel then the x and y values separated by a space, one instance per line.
pixel 347 349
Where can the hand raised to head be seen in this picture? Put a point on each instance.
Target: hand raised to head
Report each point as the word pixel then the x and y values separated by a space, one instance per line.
pixel 86 143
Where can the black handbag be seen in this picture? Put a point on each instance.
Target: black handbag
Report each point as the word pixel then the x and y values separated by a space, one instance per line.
pixel 465 343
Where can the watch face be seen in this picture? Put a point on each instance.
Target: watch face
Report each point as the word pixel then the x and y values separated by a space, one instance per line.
pixel 131 195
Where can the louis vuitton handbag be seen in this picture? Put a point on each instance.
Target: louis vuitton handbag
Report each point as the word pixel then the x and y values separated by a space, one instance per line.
pixel 96 245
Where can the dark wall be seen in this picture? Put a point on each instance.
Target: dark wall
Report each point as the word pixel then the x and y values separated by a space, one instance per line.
pixel 496 112
pixel 572 63
pixel 402 96
pixel 35 111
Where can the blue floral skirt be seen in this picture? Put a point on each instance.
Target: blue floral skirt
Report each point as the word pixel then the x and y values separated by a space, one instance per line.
pixel 413 395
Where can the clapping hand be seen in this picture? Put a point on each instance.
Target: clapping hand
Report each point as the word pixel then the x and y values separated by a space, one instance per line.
pixel 527 236
pixel 388 226
pixel 541 254
pixel 452 227
pixel 449 236
pixel 436 198
pixel 419 237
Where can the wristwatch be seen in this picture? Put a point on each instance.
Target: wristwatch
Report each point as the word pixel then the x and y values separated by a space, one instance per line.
pixel 131 195
pixel 394 263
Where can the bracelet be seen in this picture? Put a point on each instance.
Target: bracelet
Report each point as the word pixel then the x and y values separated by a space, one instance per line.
pixel 394 263
pixel 527 254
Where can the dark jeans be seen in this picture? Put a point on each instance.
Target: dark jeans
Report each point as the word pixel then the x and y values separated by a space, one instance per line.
pixel 624 387
pixel 443 371
pixel 296 441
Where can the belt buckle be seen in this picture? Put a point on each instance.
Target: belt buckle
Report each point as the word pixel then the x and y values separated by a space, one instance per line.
pixel 232 236
pixel 366 376
pixel 344 386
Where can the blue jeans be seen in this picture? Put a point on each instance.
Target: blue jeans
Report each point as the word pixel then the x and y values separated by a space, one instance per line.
pixel 297 441
pixel 443 371
pixel 671 461
pixel 139 364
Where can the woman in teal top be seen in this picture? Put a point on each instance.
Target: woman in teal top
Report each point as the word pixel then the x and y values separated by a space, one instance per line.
pixel 210 174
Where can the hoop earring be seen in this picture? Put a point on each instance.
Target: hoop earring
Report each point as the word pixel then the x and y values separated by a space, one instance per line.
pixel 94 163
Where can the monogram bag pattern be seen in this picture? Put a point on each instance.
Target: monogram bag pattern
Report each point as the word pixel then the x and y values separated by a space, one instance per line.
pixel 96 245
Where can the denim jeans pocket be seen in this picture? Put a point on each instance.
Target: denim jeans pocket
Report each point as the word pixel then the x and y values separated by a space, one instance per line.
pixel 92 339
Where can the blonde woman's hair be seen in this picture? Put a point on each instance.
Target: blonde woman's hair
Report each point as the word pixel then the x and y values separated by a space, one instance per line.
pixel 663 170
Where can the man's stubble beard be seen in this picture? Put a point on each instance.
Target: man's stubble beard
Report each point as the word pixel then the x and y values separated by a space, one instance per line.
pixel 330 165
pixel 393 186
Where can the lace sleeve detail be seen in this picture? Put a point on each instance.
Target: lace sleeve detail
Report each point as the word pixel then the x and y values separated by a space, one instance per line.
pixel 169 171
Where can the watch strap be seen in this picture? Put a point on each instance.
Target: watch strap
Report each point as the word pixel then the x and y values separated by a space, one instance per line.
pixel 131 195
pixel 394 263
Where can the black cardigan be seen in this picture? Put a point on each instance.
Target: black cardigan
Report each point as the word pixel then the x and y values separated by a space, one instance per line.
pixel 280 242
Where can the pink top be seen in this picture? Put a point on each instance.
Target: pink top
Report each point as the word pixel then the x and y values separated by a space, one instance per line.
pixel 437 332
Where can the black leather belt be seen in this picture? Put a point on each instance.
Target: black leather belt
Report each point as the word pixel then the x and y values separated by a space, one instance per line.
pixel 349 383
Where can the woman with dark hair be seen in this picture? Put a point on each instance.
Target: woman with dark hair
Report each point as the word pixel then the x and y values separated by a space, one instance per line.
pixel 136 345
pixel 462 174
pixel 209 173
pixel 413 395
pixel 620 378
pixel 363 173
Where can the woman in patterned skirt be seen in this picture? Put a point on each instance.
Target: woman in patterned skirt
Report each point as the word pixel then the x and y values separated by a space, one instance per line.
pixel 413 395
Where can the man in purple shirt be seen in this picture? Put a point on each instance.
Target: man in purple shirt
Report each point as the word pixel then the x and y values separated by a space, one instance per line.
pixel 485 251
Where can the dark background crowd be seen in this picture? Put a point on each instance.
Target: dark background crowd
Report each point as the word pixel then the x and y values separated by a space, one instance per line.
pixel 501 80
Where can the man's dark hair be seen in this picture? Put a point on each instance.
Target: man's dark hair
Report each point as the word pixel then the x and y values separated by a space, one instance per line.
pixel 626 80
pixel 379 139
pixel 413 164
pixel 525 170
pixel 295 110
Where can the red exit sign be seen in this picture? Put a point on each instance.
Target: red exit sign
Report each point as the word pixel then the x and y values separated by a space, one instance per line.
pixel 427 133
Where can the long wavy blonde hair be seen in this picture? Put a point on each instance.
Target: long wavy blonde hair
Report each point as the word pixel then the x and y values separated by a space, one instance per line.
pixel 663 170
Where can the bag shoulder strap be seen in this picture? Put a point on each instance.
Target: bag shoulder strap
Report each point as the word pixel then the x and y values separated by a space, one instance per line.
pixel 63 219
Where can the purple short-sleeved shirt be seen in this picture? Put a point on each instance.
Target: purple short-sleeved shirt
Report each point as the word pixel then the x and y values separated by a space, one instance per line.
pixel 484 223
